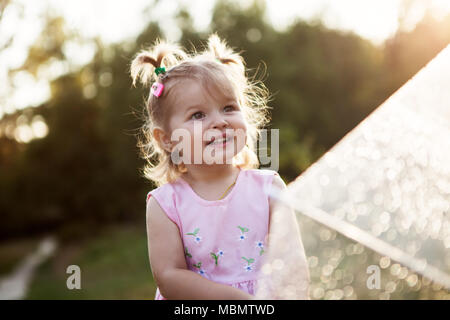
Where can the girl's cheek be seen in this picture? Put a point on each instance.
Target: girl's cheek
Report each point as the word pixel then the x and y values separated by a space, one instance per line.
pixel 197 140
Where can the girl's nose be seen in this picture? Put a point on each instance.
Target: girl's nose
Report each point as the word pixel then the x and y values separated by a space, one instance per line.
pixel 219 122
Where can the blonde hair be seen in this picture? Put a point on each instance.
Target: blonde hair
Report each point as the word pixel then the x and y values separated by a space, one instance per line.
pixel 218 66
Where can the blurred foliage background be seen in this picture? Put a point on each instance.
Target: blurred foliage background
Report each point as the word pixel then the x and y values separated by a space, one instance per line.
pixel 81 181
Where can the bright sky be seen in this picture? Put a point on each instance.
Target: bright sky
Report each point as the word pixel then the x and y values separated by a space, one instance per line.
pixel 117 20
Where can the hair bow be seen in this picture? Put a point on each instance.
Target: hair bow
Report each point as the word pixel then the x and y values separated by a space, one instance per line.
pixel 160 70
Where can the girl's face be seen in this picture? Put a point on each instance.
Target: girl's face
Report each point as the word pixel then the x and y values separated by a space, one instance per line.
pixel 207 128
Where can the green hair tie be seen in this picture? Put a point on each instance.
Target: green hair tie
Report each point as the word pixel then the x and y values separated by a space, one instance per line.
pixel 160 70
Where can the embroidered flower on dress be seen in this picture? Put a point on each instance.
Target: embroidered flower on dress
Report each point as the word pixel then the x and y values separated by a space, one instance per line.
pixel 243 229
pixel 200 270
pixel 242 236
pixel 248 267
pixel 197 238
pixel 216 256
pixel 260 245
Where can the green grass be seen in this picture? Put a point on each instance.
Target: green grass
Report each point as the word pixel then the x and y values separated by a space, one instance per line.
pixel 114 265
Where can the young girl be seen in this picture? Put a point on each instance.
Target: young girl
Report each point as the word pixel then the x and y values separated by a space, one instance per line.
pixel 207 222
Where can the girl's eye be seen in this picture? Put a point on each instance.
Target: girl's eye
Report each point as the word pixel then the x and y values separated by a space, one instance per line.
pixel 228 108
pixel 198 115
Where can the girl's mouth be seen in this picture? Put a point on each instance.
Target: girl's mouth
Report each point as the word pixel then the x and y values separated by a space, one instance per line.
pixel 219 142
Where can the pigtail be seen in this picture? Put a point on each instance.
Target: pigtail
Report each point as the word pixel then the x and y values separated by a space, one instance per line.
pixel 219 50
pixel 162 54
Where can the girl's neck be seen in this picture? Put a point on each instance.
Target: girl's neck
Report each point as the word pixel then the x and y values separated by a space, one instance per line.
pixel 209 173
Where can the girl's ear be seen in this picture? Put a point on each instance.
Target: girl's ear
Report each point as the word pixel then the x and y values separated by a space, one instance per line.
pixel 163 139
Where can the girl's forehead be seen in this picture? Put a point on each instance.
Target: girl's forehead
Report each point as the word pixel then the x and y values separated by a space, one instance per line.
pixel 194 91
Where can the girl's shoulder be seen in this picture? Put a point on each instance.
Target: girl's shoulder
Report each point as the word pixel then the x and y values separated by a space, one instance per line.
pixel 261 173
pixel 261 178
pixel 166 190
pixel 165 195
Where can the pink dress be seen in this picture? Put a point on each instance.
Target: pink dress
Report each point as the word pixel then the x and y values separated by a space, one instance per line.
pixel 224 240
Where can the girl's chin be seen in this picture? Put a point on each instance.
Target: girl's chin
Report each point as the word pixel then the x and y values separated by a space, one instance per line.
pixel 217 156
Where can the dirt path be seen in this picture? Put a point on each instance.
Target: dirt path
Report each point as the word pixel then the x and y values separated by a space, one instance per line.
pixel 15 285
